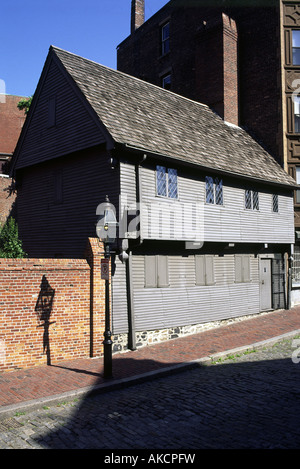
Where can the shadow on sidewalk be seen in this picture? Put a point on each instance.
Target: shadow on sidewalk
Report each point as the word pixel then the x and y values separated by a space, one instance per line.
pixel 251 404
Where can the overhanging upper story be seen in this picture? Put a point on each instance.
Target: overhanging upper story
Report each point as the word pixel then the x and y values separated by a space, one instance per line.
pixel 175 157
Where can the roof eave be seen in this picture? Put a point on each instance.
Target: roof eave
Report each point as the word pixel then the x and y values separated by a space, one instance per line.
pixel 182 162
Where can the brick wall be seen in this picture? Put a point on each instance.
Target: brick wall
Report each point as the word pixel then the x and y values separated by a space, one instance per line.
pixel 51 309
pixel 11 123
pixel 7 198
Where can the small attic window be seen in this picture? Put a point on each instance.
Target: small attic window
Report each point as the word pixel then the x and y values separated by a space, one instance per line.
pixel 51 112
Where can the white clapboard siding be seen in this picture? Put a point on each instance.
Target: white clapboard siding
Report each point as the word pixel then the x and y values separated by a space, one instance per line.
pixel 190 218
pixel 119 299
pixel 185 303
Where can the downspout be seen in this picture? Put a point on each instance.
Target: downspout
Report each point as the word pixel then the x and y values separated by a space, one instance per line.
pixel 139 193
pixel 129 282
pixel 130 307
pixel 290 264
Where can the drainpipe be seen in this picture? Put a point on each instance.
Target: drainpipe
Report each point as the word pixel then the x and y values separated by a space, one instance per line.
pixel 130 306
pixel 129 283
pixel 290 264
pixel 138 186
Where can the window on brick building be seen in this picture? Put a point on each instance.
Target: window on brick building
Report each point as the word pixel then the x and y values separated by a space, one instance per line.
pixel 298 182
pixel 296 100
pixel 165 38
pixel 166 82
pixel 296 46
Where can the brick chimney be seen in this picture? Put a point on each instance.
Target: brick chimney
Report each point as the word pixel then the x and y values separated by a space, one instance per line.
pixel 230 70
pixel 217 67
pixel 137 14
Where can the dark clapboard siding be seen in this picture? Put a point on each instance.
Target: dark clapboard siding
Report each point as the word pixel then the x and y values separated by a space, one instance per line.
pixel 51 229
pixel 74 127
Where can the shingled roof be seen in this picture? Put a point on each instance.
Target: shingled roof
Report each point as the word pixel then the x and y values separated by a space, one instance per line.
pixel 155 120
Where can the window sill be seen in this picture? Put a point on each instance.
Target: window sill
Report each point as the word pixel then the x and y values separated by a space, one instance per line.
pixel 162 56
pixel 164 197
pixel 214 205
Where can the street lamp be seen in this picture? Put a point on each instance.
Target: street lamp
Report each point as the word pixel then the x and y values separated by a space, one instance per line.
pixel 106 231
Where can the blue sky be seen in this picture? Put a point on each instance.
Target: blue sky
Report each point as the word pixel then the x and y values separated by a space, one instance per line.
pixel 90 28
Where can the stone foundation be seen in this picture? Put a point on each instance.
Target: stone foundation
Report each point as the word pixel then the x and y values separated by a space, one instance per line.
pixel 143 338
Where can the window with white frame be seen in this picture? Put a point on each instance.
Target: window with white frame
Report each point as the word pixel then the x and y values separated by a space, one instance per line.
pixel 166 182
pixel 298 182
pixel 213 190
pixel 165 38
pixel 296 46
pixel 251 200
pixel 296 101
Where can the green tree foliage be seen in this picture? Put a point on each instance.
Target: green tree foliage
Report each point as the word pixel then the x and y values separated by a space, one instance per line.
pixel 24 104
pixel 10 244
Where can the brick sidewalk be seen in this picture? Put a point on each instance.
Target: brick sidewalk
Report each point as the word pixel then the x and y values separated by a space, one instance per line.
pixel 41 382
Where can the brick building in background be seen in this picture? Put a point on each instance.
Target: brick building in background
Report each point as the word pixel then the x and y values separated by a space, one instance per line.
pixel 244 62
pixel 11 123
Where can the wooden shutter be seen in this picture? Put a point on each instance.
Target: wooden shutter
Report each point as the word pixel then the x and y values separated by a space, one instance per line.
pixel 242 268
pixel 200 270
pixel 246 268
pixel 162 271
pixel 204 266
pixel 238 269
pixel 150 272
pixel 209 270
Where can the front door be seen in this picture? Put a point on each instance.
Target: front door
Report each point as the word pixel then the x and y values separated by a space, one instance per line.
pixel 265 285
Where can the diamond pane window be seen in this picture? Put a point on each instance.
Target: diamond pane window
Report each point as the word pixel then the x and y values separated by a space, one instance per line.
pixel 248 199
pixel 172 183
pixel 209 190
pixel 161 181
pixel 275 202
pixel 255 200
pixel 166 182
pixel 213 190
pixel 219 191
pixel 251 200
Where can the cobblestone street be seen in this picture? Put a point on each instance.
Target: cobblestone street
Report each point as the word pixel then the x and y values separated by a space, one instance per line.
pixel 246 401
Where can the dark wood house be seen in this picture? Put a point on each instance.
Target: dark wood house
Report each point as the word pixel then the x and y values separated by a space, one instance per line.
pixel 205 213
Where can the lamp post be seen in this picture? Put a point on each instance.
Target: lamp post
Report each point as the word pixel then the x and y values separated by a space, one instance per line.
pixel 106 231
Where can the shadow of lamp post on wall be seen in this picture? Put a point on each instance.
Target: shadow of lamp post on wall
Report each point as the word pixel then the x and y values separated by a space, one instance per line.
pixel 106 230
pixel 43 309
